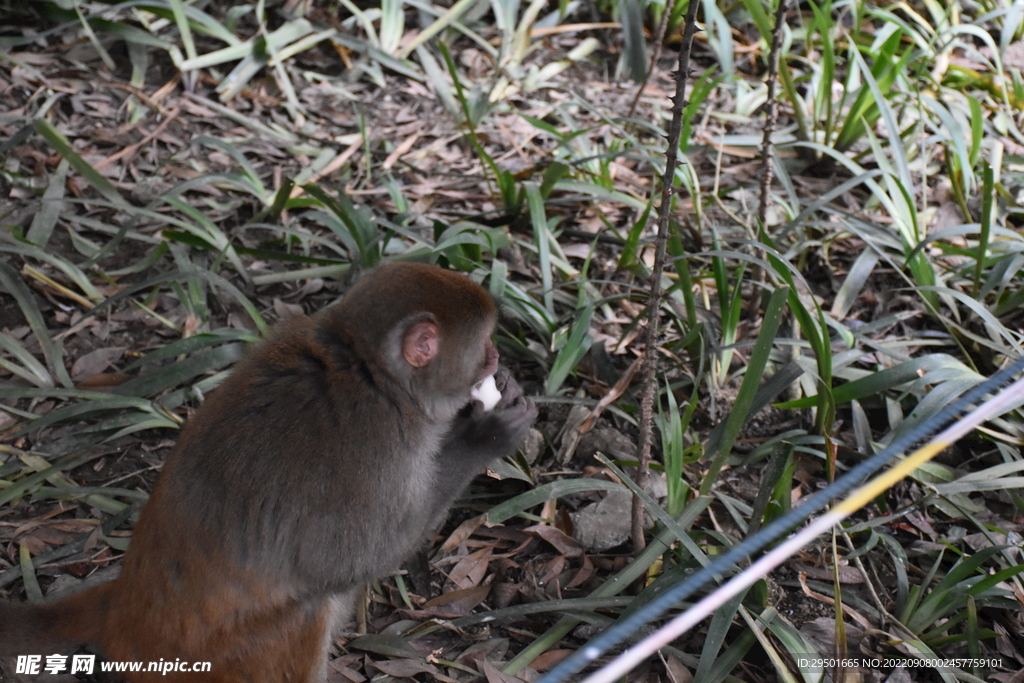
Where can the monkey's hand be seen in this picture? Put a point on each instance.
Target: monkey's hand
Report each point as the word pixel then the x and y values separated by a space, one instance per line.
pixel 478 436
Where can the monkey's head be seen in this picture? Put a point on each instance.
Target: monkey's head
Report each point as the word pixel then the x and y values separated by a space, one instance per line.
pixel 430 327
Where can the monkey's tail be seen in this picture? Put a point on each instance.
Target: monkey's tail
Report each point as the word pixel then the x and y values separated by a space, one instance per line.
pixel 56 626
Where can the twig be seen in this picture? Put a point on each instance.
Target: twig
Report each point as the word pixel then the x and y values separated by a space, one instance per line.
pixel 654 298
pixel 613 395
pixel 771 116
pixel 131 149
pixel 772 112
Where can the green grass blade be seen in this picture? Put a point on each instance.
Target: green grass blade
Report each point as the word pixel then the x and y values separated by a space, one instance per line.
pixel 740 412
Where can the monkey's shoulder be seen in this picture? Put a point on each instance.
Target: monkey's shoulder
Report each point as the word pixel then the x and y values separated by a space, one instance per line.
pixel 302 364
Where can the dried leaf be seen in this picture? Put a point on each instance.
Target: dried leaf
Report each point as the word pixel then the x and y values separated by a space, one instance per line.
pixel 404 668
pixel 464 599
pixel 549 659
pixel 677 673
pixel 103 379
pixel 583 575
pixel 96 361
pixel 562 543
pixel 462 532
pixel 495 648
pixel 470 570
pixel 383 644
pixel 287 311
pixel 494 675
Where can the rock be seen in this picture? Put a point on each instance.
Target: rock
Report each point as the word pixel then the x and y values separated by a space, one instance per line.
pixel 604 525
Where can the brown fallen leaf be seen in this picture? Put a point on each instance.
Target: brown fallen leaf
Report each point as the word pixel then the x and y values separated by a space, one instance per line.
pixel 96 362
pixel 464 599
pixel 471 570
pixel 462 532
pixel 496 676
pixel 563 543
pixel 404 668
pixel 677 673
pixel 549 659
pixel 102 380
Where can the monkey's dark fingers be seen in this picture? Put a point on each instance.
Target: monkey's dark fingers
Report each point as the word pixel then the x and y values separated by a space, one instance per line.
pixel 474 410
pixel 501 378
pixel 510 393
pixel 515 407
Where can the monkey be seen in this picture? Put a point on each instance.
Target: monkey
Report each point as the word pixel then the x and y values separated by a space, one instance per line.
pixel 320 463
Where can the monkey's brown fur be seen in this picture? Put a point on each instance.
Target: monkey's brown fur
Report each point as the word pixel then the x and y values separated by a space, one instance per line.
pixel 318 465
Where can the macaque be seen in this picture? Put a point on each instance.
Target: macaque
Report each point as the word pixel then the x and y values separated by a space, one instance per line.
pixel 320 464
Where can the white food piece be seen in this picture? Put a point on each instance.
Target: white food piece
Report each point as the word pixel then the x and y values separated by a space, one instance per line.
pixel 487 393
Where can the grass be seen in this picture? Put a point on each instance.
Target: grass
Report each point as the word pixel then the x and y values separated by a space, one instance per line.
pixel 297 151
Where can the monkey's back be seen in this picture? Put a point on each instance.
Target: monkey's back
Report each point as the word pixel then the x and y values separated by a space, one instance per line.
pixel 267 510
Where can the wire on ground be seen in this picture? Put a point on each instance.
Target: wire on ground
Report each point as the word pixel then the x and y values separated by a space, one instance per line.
pixel 771 533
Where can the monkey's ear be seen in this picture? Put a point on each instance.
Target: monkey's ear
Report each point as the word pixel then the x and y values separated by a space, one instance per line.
pixel 420 344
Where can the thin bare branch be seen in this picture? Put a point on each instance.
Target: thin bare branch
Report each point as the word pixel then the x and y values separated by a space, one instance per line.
pixel 654 299
pixel 772 113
